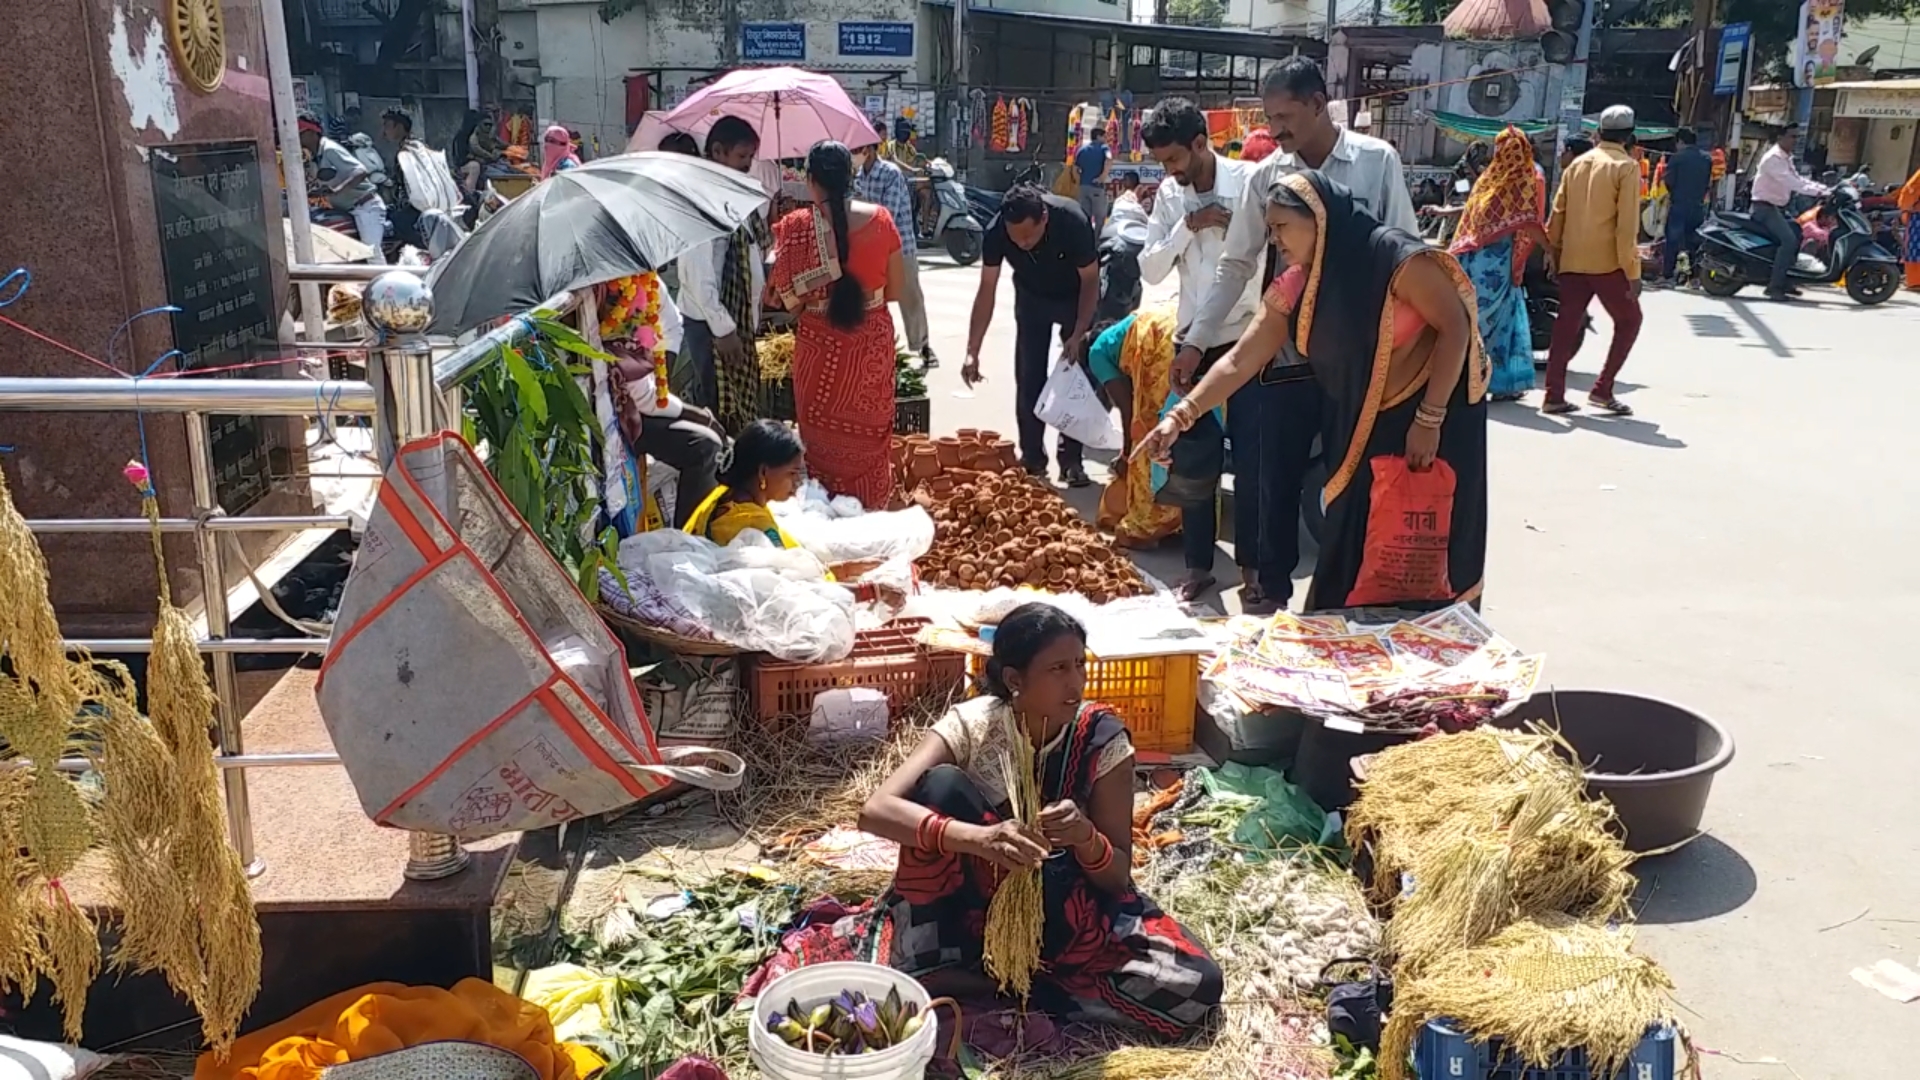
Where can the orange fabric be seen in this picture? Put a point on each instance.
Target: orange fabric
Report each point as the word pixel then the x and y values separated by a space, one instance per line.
pixel 1283 296
pixel 1506 199
pixel 843 379
pixel 383 1017
pixel 1908 198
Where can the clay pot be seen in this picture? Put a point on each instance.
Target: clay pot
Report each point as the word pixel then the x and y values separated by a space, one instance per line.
pixel 967 434
pixel 940 486
pixel 948 449
pixel 989 436
pixel 924 464
pixel 1005 455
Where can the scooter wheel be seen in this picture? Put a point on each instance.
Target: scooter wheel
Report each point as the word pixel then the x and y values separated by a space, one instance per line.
pixel 1720 281
pixel 963 246
pixel 1872 284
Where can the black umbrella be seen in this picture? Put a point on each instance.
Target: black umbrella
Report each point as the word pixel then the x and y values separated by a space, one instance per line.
pixel 585 225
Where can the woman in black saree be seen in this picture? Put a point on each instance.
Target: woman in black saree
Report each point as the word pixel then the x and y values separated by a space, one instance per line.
pixel 1387 325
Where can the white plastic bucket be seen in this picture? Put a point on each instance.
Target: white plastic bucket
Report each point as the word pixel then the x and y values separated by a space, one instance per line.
pixel 819 983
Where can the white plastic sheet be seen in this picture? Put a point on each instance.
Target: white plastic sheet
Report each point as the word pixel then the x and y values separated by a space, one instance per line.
pixel 1069 405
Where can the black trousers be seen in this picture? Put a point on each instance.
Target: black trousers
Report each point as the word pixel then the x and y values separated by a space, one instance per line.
pixel 1038 323
pixel 695 456
pixel 1786 232
pixel 1271 428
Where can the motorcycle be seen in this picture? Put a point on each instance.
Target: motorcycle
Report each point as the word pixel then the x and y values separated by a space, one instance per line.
pixel 947 215
pixel 1735 253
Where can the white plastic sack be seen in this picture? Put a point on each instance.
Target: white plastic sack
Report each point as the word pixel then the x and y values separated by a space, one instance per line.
pixel 470 688
pixel 1068 405
pixel 820 526
pixel 749 594
pixel 430 183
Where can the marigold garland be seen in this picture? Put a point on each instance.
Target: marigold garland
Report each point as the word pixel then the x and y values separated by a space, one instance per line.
pixel 633 312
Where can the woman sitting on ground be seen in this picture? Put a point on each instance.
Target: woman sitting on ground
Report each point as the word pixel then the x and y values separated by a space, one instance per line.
pixel 765 468
pixel 1109 955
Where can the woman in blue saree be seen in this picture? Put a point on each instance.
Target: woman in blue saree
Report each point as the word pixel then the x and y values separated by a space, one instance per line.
pixel 1498 228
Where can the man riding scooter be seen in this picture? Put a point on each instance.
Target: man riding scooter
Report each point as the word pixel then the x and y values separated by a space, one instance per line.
pixel 344 182
pixel 1775 182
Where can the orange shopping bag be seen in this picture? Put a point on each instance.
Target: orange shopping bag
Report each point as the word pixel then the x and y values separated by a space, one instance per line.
pixel 1409 522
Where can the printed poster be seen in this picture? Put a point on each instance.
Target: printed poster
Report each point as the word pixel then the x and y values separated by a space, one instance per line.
pixel 1816 49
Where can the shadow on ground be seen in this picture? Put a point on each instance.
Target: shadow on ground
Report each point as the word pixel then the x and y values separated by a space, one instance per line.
pixel 1701 881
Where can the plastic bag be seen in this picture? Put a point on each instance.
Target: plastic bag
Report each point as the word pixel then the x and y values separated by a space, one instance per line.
pixel 749 594
pixel 1068 405
pixel 1285 818
pixel 1409 521
pixel 817 524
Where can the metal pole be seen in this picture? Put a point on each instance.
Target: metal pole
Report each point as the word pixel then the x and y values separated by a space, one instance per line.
pixel 472 54
pixel 1573 90
pixel 233 397
pixel 213 587
pixel 401 307
pixel 286 126
pixel 49 526
pixel 295 645
pixel 963 124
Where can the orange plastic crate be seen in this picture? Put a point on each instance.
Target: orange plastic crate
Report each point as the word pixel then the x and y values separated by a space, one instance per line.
pixel 887 659
pixel 1156 695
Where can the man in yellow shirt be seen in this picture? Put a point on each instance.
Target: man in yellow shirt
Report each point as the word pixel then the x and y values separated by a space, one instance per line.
pixel 1594 238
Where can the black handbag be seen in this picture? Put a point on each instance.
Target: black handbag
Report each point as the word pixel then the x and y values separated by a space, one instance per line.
pixel 1357 1007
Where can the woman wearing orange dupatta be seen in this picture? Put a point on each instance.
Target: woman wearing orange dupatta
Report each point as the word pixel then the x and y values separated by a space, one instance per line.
pixel 837 263
pixel 1134 359
pixel 1909 201
pixel 1498 227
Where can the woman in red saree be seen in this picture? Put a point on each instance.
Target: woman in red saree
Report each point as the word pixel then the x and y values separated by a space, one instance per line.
pixel 837 263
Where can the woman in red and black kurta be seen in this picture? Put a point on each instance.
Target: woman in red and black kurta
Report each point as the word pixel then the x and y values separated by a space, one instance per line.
pixel 1108 954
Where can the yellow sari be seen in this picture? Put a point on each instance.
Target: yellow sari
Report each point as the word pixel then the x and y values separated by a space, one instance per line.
pixel 1146 359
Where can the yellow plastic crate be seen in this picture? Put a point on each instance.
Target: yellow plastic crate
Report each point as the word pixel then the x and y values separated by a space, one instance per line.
pixel 1156 695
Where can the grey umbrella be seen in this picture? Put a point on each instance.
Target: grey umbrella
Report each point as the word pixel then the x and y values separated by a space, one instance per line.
pixel 585 225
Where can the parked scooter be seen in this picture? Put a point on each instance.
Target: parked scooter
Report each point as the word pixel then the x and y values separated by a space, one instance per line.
pixel 947 217
pixel 1735 253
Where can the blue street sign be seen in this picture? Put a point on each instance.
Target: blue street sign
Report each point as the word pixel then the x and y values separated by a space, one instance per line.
pixel 876 39
pixel 773 41
pixel 1735 40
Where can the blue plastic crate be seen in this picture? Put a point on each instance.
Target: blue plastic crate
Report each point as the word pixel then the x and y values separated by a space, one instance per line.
pixel 1443 1053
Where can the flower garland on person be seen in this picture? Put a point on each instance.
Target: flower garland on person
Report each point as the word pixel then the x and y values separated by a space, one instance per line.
pixel 633 311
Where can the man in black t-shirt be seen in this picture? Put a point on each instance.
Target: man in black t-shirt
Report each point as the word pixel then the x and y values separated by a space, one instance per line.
pixel 1056 282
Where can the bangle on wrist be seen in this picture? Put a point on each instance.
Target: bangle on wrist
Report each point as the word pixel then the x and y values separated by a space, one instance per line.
pixel 1099 862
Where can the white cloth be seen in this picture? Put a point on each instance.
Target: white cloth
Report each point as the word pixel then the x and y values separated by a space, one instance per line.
pixel 370 219
pixel 1366 166
pixel 975 734
pixel 1776 181
pixel 430 184
pixel 700 272
pixel 1171 244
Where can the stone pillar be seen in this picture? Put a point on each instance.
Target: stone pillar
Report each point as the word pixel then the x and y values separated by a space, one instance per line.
pixel 144 190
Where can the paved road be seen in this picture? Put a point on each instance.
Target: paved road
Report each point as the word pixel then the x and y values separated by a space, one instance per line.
pixel 1742 547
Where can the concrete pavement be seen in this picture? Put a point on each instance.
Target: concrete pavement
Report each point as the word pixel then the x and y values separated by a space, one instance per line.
pixel 1739 547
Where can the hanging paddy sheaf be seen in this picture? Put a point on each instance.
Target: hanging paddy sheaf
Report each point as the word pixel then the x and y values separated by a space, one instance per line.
pixel 185 907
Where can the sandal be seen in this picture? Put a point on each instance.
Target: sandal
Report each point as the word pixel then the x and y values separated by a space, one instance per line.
pixel 1611 406
pixel 1194 588
pixel 1559 408
pixel 1255 601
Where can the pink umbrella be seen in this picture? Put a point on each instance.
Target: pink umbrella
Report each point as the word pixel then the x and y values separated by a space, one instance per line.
pixel 790 108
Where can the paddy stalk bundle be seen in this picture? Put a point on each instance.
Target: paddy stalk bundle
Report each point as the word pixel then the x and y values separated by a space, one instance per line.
pixel 185 907
pixel 1016 914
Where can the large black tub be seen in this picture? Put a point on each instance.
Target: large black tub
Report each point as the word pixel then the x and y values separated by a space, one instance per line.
pixel 1652 760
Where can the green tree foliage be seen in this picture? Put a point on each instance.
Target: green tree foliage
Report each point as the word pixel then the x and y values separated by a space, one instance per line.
pixel 1774 21
pixel 1197 12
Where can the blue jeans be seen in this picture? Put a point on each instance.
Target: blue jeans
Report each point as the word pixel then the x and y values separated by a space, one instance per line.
pixel 1683 223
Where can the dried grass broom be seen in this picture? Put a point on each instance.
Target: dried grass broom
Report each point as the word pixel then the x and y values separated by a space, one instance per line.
pixel 1016 914
pixel 1544 986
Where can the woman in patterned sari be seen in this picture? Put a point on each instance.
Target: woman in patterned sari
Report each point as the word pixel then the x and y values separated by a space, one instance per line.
pixel 837 263
pixel 1133 359
pixel 1108 954
pixel 1387 325
pixel 1500 225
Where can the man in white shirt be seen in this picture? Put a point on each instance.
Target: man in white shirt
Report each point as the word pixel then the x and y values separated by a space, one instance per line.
pixel 1775 183
pixel 720 289
pixel 1295 97
pixel 1187 232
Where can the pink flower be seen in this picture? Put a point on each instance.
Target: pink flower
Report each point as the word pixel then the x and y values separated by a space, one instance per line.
pixel 136 474
pixel 647 337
